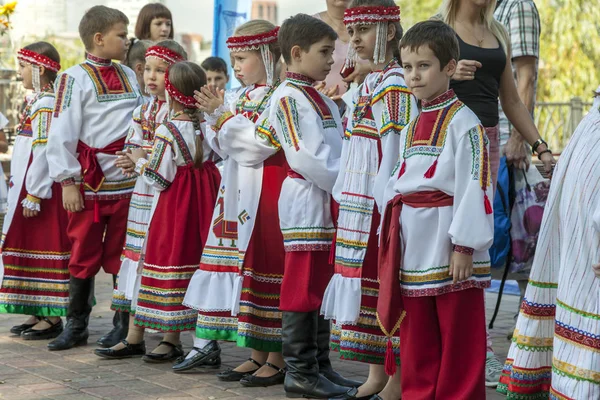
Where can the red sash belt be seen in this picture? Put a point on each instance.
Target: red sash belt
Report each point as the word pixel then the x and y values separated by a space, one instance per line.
pixel 294 174
pixel 93 176
pixel 390 310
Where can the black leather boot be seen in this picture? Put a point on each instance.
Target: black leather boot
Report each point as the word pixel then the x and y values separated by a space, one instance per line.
pixel 325 367
pixel 300 355
pixel 75 333
pixel 120 327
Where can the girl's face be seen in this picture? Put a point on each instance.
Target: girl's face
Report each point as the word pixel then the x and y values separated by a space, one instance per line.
pixel 25 72
pixel 160 29
pixel 249 67
pixel 154 76
pixel 363 38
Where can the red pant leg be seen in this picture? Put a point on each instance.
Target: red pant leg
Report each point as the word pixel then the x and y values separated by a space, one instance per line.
pixel 86 237
pixel 462 324
pixel 420 348
pixel 114 239
pixel 305 279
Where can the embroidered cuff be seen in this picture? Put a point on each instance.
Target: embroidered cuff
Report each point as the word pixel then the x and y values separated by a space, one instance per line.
pixel 463 250
pixel 211 119
pixel 67 182
pixel 226 116
pixel 32 203
pixel 140 165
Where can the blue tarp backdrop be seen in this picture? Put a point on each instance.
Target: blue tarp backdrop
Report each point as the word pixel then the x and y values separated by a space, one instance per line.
pixel 228 15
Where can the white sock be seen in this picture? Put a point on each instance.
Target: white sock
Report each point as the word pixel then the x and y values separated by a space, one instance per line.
pixel 199 343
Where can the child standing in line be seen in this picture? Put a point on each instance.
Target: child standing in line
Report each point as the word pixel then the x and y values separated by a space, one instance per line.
pixel 216 72
pixel 146 119
pixel 34 270
pixel 91 118
pixel 186 180
pixel 236 273
pixel 437 227
pixel 381 108
pixel 308 126
pixel 136 60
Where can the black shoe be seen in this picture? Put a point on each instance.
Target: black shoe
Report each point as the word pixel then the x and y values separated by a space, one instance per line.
pixel 300 349
pixel 18 329
pixel 208 357
pixel 234 376
pixel 49 333
pixel 120 327
pixel 175 352
pixel 259 381
pixel 325 367
pixel 130 350
pixel 75 333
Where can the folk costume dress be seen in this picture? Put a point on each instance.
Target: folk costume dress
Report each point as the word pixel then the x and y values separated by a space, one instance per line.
pixel 3 187
pixel 237 288
pixel 438 201
pixel 555 351
pixel 35 251
pixel 92 115
pixel 381 108
pixel 146 119
pixel 308 126
pixel 178 228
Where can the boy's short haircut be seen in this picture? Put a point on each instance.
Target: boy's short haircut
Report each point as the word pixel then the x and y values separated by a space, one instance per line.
pixel 214 64
pixel 304 31
pixel 439 36
pixel 99 19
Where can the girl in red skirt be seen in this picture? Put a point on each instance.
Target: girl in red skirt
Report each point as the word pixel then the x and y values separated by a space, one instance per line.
pixel 186 182
pixel 34 269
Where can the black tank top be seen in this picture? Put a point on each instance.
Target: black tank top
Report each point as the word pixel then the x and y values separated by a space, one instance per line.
pixel 481 94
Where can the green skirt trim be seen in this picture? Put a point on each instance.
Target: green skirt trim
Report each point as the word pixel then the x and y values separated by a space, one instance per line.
pixel 33 310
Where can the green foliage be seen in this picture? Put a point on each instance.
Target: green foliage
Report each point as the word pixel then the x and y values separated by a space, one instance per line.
pixel 416 11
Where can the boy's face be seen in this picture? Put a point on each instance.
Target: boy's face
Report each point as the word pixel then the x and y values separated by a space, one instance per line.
pixel 316 62
pixel 114 43
pixel 217 79
pixel 154 76
pixel 423 74
pixel 249 67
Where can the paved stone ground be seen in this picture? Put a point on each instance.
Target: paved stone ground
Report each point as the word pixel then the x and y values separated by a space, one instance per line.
pixel 29 371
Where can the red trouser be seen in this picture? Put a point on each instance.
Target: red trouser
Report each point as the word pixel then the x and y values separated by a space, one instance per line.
pixel 306 276
pixel 442 343
pixel 97 244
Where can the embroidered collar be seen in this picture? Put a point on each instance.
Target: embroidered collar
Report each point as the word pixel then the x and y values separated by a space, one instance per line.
pixel 442 101
pixel 299 79
pixel 97 61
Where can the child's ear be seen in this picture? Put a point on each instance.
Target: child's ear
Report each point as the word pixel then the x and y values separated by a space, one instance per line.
pixel 42 70
pixel 139 68
pixel 450 67
pixel 391 32
pixel 226 78
pixel 98 39
pixel 296 53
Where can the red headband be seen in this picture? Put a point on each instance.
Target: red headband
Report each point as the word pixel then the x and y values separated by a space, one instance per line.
pixel 167 55
pixel 371 15
pixel 32 57
pixel 187 101
pixel 252 42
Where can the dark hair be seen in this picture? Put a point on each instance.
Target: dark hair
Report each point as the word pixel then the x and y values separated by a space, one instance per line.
pixel 304 31
pixel 214 64
pixel 186 77
pixel 46 49
pixel 174 46
pixel 99 19
pixel 149 13
pixel 384 3
pixel 136 52
pixel 439 36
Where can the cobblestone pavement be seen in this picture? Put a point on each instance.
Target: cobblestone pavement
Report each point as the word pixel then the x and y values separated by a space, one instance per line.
pixel 29 371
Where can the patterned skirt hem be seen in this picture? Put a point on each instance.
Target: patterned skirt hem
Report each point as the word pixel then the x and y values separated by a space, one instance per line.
pixel 372 358
pixel 503 389
pixel 215 334
pixel 164 328
pixel 33 310
pixel 121 307
pixel 259 345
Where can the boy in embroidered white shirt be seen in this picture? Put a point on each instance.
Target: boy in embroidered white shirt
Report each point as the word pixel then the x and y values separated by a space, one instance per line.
pixel 92 113
pixel 437 229
pixel 310 132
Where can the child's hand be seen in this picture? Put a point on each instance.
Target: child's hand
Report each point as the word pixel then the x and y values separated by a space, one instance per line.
pixel 209 99
pixel 461 267
pixel 123 161
pixel 27 213
pixel 596 269
pixel 135 154
pixel 72 198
